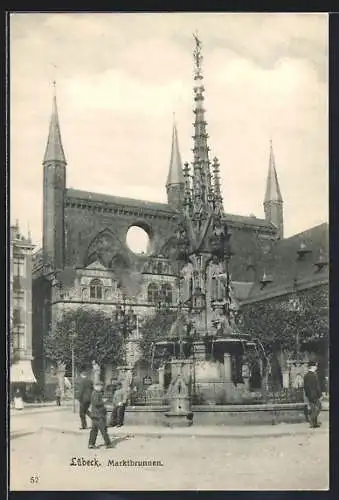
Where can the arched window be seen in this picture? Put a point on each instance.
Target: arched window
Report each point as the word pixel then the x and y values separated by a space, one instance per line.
pixel 152 293
pixel 166 292
pixel 96 289
pixel 159 267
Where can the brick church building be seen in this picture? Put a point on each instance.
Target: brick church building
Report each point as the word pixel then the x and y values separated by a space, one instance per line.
pixel 85 260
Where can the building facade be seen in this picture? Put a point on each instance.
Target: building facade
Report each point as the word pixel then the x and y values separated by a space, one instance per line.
pixel 20 337
pixel 85 260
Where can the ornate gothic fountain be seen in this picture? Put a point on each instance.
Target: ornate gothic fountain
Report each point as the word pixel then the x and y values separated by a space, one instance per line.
pixel 208 352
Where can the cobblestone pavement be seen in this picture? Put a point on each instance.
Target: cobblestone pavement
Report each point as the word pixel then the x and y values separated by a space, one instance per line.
pixel 41 460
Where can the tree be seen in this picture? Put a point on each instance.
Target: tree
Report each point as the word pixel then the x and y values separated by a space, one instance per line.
pixel 97 337
pixel 156 327
pixel 274 321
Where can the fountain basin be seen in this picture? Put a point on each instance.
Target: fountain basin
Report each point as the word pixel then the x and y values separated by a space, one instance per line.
pixel 239 414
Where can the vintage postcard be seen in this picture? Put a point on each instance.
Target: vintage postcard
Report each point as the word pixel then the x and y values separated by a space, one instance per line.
pixel 169 251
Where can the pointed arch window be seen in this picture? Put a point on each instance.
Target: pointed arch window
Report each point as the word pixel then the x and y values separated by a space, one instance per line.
pixel 152 293
pixel 167 293
pixel 96 289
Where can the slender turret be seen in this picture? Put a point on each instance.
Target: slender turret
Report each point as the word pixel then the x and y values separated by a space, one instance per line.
pixel 54 164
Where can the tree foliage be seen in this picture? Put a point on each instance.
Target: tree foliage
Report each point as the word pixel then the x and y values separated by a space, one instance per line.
pixel 276 321
pixel 96 336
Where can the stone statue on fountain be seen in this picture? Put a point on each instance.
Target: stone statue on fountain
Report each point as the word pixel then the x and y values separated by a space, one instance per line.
pixel 179 390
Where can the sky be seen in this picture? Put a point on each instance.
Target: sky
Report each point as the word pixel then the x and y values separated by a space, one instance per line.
pixel 119 79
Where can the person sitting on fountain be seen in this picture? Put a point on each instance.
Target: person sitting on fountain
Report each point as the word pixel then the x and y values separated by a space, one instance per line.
pixel 119 405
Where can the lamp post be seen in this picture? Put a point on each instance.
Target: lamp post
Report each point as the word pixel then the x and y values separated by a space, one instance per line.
pixel 295 307
pixel 73 335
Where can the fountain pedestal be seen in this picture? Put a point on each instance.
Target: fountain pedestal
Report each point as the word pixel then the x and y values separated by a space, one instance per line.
pixel 179 395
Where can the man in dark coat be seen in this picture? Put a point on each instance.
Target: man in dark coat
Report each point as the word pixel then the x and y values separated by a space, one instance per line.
pixel 98 416
pixel 84 396
pixel 313 393
pixel 276 373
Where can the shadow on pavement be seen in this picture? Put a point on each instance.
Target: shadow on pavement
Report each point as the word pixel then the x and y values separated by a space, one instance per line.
pixel 16 435
pixel 115 441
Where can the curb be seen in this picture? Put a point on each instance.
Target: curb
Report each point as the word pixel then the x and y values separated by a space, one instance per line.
pixel 217 435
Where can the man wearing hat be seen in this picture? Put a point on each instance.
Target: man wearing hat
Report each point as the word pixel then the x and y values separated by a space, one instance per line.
pixel 85 389
pixel 98 416
pixel 313 393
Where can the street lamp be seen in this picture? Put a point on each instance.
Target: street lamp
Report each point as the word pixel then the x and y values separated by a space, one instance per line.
pixel 73 335
pixel 294 306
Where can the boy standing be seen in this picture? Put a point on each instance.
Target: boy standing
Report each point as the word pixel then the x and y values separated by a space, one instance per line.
pixel 98 416
pixel 119 405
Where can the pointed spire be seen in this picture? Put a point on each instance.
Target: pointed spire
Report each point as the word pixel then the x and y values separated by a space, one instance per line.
pixel 175 173
pixel 273 192
pixel 202 189
pixel 54 150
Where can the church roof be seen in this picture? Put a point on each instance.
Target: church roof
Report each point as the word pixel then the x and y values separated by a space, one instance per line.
pixel 283 266
pixel 118 200
pixel 175 173
pixel 248 220
pixel 54 149
pixel 164 207
pixel 273 192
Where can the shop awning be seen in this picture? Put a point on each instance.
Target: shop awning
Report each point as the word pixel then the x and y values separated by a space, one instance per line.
pixel 21 372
